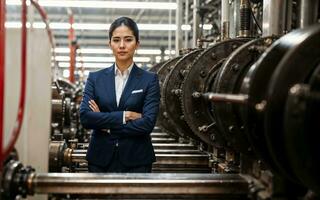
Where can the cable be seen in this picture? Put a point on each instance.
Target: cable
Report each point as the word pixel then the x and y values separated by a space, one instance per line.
pixel 255 19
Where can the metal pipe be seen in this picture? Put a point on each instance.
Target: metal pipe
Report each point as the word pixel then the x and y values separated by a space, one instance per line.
pixel 245 19
pixel 308 12
pixel 225 21
pixel 139 185
pixel 183 157
pixel 157 151
pixel 170 33
pixel 178 38
pixel 234 19
pixel 276 17
pixel 230 98
pixel 196 22
pixel 186 21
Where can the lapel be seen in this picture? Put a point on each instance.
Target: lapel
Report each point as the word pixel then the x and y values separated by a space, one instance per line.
pixel 111 86
pixel 133 79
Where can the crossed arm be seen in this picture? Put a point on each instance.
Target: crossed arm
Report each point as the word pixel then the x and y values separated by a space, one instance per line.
pixel 136 123
pixel 129 115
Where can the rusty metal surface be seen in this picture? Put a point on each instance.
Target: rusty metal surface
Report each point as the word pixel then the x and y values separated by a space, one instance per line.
pixel 198 80
pixel 171 92
pixel 229 116
pixel 162 120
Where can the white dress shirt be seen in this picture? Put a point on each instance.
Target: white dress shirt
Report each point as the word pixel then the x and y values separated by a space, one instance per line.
pixel 120 82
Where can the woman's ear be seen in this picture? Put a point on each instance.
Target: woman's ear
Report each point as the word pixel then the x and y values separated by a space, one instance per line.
pixel 137 45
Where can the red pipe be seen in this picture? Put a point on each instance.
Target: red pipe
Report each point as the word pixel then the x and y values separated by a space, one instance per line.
pixel 19 120
pixel 73 50
pixel 2 71
pixel 45 19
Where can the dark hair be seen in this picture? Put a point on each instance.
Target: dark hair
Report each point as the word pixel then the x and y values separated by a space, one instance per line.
pixel 126 21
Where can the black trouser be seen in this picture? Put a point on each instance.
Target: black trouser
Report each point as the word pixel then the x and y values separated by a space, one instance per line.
pixel 116 166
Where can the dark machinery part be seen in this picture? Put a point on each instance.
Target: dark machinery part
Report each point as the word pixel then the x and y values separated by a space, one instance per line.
pixel 197 113
pixel 245 19
pixel 299 65
pixel 287 62
pixel 157 66
pixel 229 116
pixel 66 99
pixel 24 181
pixel 163 116
pixel 171 92
pixel 56 155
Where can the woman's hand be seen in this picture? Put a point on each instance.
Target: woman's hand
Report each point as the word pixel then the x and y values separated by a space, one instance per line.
pixel 94 107
pixel 130 115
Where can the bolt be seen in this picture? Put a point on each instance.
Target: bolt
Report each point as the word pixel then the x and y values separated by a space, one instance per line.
pixel 234 47
pixel 203 73
pixel 196 95
pixel 261 106
pixel 196 113
pixel 231 129
pixel 213 137
pixel 235 67
pixel 213 56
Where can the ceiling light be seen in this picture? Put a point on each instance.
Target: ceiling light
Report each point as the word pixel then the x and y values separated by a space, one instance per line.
pixel 98 59
pixel 173 52
pixel 102 4
pixel 85 65
pixel 149 51
pixel 95 26
pixel 87 26
pixel 157 27
pixel 106 51
pixel 186 27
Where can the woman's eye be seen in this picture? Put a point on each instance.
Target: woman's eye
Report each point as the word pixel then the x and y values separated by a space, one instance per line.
pixel 115 40
pixel 129 40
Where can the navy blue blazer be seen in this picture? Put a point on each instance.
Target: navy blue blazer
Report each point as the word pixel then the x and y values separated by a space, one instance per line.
pixel 141 94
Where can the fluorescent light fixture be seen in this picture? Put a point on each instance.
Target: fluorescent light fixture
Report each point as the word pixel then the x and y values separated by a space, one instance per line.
pixel 59 25
pixel 15 24
pixel 102 4
pixel 207 26
pixel 85 65
pixel 83 50
pixel 91 26
pixel 141 59
pixel 94 51
pixel 157 27
pixel 39 25
pixel 149 51
pixel 173 52
pixel 95 26
pixel 186 27
pixel 106 51
pixel 99 59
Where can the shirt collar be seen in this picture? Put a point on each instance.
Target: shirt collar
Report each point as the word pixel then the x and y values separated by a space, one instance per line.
pixel 127 71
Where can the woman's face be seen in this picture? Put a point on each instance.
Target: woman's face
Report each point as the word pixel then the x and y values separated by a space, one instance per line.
pixel 123 44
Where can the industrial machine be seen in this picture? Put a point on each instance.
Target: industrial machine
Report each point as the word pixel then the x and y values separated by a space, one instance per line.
pixel 238 119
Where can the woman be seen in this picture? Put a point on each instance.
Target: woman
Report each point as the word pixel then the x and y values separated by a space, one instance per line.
pixel 120 104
